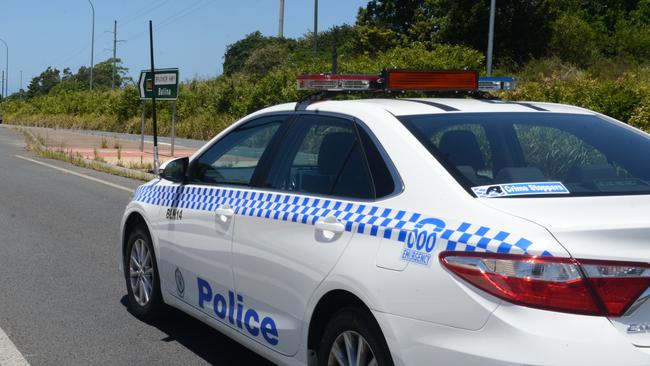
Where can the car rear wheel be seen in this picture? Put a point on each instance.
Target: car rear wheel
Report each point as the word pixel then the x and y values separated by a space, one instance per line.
pixel 353 338
pixel 141 274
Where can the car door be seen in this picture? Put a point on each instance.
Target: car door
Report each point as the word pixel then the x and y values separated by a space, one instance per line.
pixel 288 240
pixel 195 236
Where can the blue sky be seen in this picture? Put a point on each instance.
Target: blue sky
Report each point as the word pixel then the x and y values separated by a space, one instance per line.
pixel 189 34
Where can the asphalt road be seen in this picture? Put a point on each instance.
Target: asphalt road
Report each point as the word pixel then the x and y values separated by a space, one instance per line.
pixel 62 299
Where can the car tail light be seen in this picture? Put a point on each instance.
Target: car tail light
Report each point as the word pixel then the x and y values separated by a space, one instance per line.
pixel 587 287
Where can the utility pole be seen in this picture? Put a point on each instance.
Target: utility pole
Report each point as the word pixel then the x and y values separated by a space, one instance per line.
pixel 490 38
pixel 281 21
pixel 334 51
pixel 5 91
pixel 21 81
pixel 92 46
pixel 114 52
pixel 3 85
pixel 114 59
pixel 315 25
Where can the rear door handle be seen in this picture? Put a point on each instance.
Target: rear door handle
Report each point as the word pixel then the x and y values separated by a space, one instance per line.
pixel 331 224
pixel 224 212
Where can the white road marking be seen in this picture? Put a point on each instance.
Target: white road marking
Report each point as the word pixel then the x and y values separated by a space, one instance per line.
pixel 9 354
pixel 117 186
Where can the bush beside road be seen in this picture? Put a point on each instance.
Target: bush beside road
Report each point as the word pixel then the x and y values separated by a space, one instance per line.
pixel 205 107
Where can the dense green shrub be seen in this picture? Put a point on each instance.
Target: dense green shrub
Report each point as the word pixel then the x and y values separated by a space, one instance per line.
pixel 620 98
pixel 205 107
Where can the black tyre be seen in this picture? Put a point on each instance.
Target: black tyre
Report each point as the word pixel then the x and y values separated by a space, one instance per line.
pixel 353 337
pixel 141 275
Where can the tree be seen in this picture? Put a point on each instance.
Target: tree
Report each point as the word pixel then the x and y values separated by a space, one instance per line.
pixel 574 40
pixel 238 52
pixel 266 58
pixel 43 83
pixel 102 74
pixel 522 28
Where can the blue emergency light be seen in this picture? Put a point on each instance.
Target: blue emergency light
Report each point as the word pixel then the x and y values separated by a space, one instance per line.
pixel 496 83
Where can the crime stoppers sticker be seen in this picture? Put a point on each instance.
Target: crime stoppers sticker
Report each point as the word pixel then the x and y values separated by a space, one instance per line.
pixel 520 189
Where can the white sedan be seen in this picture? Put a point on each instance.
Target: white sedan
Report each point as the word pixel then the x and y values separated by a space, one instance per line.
pixel 405 232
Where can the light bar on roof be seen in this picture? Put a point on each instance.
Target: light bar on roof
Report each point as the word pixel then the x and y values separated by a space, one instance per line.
pixel 492 83
pixel 405 80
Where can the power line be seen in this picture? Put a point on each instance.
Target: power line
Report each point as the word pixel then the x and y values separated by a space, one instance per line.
pixel 147 9
pixel 200 4
pixel 179 16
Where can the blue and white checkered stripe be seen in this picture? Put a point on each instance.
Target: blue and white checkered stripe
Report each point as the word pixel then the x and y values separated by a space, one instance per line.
pixel 359 218
pixel 474 238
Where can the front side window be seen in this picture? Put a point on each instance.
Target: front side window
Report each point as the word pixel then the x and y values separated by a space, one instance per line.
pixel 587 154
pixel 233 159
pixel 322 155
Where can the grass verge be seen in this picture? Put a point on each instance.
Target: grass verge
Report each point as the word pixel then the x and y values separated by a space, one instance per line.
pixel 36 144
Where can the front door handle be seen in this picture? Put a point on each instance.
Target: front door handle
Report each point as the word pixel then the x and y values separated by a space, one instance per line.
pixel 224 212
pixel 330 224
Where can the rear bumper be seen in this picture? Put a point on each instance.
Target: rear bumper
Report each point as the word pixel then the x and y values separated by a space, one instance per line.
pixel 513 335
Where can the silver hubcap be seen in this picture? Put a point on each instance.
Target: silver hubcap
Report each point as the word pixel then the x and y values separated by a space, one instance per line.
pixel 351 349
pixel 141 272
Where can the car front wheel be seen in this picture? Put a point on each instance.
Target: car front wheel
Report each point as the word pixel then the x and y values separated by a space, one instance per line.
pixel 141 274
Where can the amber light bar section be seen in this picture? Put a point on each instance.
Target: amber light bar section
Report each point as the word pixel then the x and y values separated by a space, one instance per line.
pixel 431 80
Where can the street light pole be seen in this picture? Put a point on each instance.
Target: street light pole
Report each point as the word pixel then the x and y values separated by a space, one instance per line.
pixel 92 46
pixel 281 20
pixel 315 26
pixel 6 91
pixel 490 38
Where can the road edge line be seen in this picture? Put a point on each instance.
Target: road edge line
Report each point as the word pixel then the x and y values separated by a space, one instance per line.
pixel 88 177
pixel 9 354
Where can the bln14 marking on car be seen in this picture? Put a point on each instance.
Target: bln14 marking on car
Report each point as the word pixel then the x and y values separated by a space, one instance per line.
pixel 405 231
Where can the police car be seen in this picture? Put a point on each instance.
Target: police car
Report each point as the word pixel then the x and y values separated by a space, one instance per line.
pixel 459 231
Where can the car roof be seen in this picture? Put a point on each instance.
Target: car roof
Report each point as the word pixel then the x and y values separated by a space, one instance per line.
pixel 416 106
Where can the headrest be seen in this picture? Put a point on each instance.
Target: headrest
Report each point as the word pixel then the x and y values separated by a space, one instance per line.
pixel 461 148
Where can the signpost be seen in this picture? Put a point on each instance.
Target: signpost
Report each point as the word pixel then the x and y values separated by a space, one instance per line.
pixel 166 88
pixel 166 84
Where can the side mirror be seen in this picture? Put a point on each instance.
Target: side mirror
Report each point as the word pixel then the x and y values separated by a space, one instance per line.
pixel 175 170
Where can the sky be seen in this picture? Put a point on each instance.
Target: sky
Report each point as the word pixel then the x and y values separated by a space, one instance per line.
pixel 189 34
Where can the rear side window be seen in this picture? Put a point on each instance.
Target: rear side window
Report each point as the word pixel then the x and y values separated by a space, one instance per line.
pixel 382 177
pixel 512 152
pixel 234 158
pixel 322 155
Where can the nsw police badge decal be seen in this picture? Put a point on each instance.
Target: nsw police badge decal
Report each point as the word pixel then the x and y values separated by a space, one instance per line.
pixel 180 283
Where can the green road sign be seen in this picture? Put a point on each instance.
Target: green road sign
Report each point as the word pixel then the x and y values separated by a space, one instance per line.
pixel 166 84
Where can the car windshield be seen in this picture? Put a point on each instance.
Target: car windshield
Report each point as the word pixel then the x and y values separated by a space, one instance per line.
pixel 537 154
